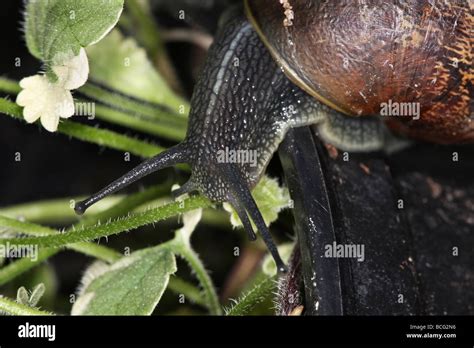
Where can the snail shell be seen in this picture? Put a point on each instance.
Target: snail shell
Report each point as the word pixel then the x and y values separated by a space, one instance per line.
pixel 356 55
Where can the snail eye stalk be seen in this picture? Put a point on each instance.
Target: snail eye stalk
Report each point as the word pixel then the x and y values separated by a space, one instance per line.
pixel 168 158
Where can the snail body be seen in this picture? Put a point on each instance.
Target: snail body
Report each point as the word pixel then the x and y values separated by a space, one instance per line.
pixel 329 68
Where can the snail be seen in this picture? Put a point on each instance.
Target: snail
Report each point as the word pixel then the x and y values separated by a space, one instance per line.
pixel 332 64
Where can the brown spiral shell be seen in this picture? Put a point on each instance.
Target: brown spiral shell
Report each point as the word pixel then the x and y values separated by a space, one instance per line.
pixel 356 55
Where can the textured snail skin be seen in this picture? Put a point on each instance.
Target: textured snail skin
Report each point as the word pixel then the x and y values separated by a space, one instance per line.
pixel 243 101
pixel 355 55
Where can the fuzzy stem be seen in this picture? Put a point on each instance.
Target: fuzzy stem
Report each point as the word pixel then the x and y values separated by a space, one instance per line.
pixel 154 111
pixel 258 294
pixel 131 202
pixel 57 211
pixel 192 293
pixel 189 255
pixel 130 104
pixel 18 267
pixel 15 308
pixel 109 139
pixel 14 269
pixel 121 225
pixel 151 127
pixel 91 249
pixel 94 135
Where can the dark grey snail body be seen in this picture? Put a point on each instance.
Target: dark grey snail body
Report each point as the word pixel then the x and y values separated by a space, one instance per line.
pixel 244 101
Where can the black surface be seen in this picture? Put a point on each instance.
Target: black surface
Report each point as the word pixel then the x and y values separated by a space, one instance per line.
pixel 439 207
pixel 364 206
pixel 408 251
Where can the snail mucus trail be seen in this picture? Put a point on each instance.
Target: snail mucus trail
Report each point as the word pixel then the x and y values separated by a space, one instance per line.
pixel 243 101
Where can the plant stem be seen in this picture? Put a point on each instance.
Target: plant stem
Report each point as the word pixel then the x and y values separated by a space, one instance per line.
pixel 57 211
pixel 150 37
pixel 95 250
pixel 91 249
pixel 258 294
pixel 181 246
pixel 133 122
pixel 172 126
pixel 9 86
pixel 154 111
pixel 109 139
pixel 180 286
pixel 121 225
pixel 15 308
pixel 14 269
pixel 94 135
pixel 128 204
pixel 190 256
pixel 18 267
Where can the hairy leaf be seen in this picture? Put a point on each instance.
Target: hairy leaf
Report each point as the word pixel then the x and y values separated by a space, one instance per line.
pixel 131 286
pixel 55 27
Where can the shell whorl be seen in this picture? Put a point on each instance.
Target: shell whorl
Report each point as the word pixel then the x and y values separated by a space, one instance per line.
pixel 355 56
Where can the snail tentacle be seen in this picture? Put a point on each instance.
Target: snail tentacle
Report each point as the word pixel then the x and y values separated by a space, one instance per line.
pixel 168 158
pixel 240 193
pixel 242 213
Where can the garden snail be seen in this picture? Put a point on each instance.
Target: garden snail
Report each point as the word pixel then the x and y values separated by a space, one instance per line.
pixel 301 62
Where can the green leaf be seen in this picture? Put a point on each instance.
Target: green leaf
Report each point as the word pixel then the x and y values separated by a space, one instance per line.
pixel 36 294
pixel 131 286
pixel 22 296
pixel 123 65
pixel 270 199
pixel 55 27
pixel 42 273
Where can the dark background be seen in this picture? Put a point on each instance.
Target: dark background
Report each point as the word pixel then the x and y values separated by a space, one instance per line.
pixel 438 193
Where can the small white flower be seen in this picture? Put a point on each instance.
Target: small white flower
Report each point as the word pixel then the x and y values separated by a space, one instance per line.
pixel 45 100
pixel 50 101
